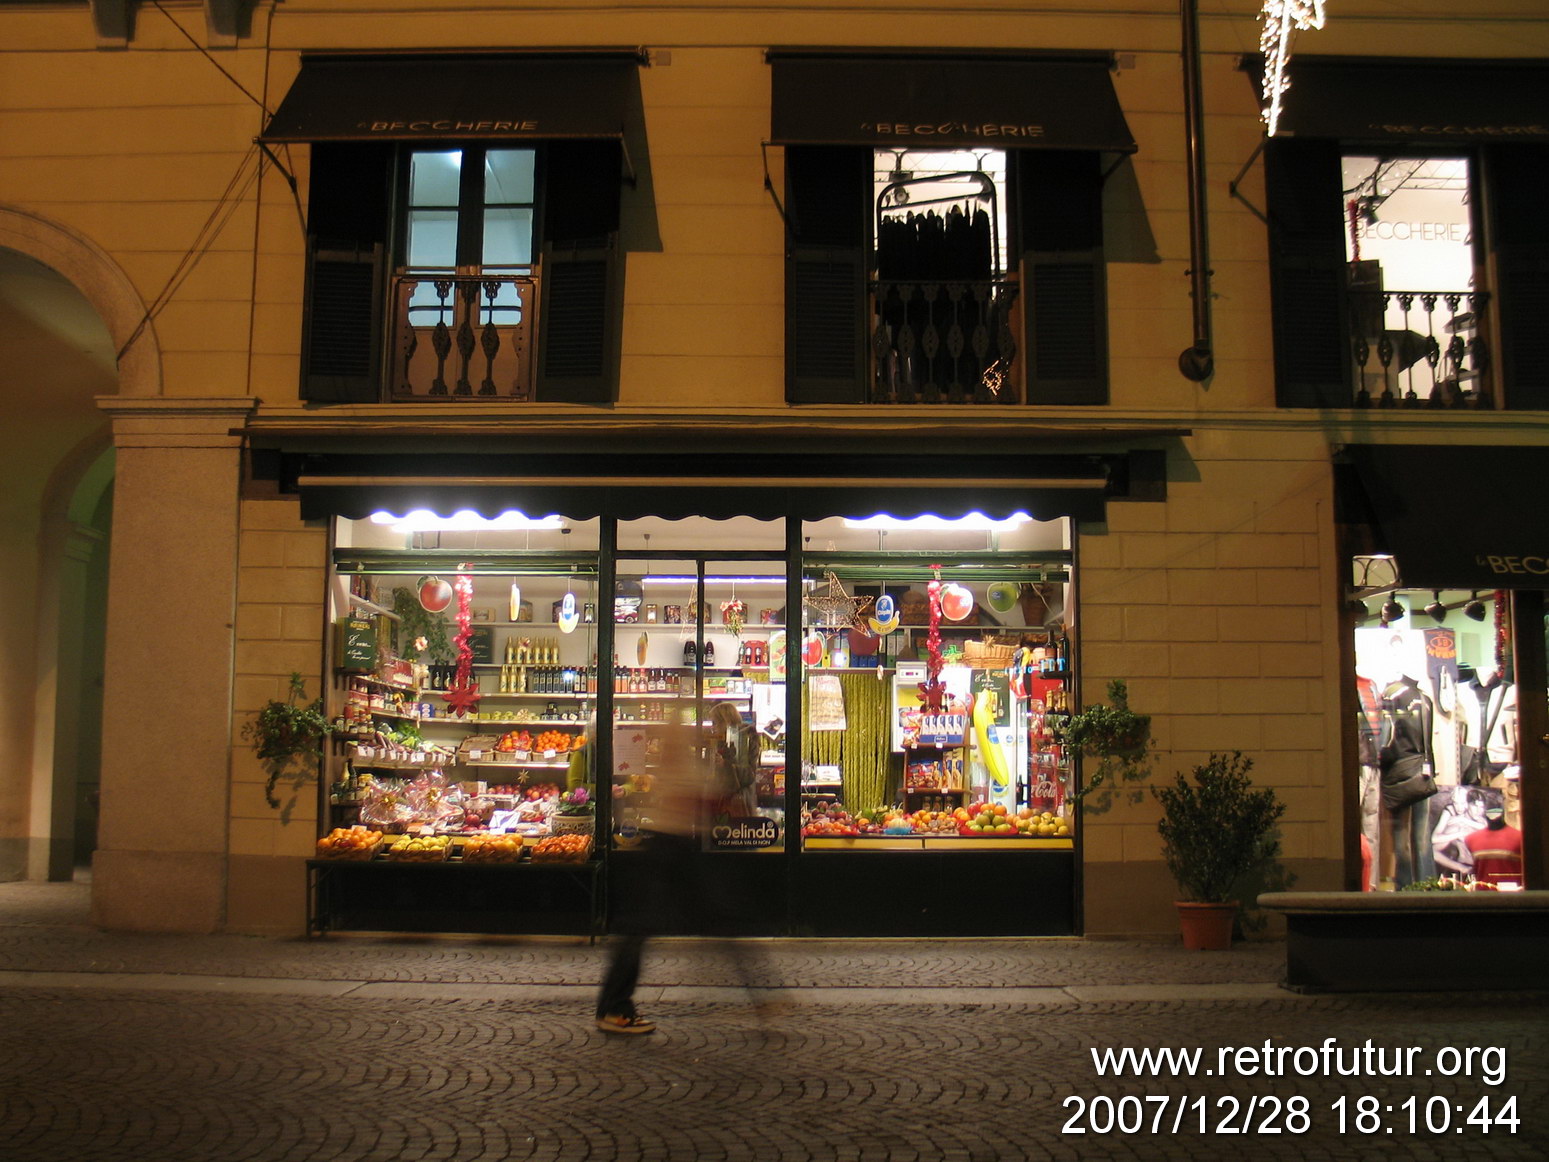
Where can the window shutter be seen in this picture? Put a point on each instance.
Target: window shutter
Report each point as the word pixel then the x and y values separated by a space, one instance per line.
pixel 1308 279
pixel 1520 238
pixel 346 297
pixel 1064 283
pixel 579 289
pixel 827 227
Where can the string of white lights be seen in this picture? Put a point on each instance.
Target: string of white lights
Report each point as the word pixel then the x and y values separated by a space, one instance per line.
pixel 1282 19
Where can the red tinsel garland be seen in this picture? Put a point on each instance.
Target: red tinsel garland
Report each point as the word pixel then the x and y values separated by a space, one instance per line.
pixel 932 691
pixel 462 696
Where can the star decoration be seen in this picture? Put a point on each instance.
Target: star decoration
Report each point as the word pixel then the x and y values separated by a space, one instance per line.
pixel 462 698
pixel 835 608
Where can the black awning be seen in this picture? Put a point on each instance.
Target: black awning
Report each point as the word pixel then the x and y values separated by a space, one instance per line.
pixel 484 98
pixel 1460 517
pixel 716 486
pixel 923 102
pixel 1413 100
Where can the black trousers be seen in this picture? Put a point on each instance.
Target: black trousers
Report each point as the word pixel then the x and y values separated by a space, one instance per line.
pixel 677 889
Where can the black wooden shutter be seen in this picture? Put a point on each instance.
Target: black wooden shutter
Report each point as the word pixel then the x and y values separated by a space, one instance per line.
pixel 1307 273
pixel 346 295
pixel 1064 281
pixel 579 292
pixel 1520 238
pixel 827 200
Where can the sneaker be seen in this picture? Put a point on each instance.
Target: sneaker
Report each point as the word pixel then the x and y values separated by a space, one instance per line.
pixel 622 1024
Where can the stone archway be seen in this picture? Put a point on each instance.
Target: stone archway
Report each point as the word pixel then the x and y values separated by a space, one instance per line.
pixel 65 310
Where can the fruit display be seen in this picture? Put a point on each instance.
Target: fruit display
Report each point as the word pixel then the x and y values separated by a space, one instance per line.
pixel 492 849
pixel 349 843
pixel 562 849
pixel 995 819
pixel 419 848
pixel 827 819
pixel 515 740
pixel 525 742
pixel 977 820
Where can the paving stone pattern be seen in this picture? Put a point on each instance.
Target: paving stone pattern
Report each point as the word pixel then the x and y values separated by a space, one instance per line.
pixel 149 1067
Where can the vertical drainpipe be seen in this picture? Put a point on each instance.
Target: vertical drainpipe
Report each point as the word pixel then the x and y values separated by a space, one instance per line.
pixel 1198 361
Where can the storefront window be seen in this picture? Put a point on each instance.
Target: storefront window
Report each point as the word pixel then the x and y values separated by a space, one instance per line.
pixel 465 679
pixel 934 657
pixel 1439 779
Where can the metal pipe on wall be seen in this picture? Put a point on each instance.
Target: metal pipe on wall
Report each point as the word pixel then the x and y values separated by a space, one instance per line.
pixel 1197 362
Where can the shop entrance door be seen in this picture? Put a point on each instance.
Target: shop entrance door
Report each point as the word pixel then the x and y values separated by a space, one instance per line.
pixel 697 729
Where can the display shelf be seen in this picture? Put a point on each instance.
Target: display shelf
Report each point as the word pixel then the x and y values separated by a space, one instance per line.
pixel 372 606
pixel 551 764
pixel 357 676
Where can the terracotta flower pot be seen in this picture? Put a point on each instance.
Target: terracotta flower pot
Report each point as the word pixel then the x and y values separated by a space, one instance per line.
pixel 1206 927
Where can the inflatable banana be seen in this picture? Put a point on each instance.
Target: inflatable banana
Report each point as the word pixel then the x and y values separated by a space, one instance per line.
pixel 994 758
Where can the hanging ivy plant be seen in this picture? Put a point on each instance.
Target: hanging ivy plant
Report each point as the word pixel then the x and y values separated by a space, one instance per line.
pixel 288 736
pixel 416 623
pixel 1113 734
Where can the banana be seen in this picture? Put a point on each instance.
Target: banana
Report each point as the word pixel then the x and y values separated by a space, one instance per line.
pixel 994 758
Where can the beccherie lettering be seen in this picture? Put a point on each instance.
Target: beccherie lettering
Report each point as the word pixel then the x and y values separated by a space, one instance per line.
pixel 950 129
pixel 447 125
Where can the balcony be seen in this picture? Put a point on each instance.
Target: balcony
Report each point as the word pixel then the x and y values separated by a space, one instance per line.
pixel 1421 349
pixel 462 337
pixel 945 342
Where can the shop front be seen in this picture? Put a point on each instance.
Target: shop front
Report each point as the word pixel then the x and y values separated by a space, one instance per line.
pixel 1447 651
pixel 864 674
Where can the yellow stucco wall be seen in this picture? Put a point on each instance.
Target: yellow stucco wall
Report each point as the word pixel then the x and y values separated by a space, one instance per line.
pixel 1217 606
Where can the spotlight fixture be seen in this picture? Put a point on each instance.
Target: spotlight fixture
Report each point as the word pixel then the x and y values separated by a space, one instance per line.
pixel 1359 610
pixel 1391 611
pixel 1475 607
pixel 1436 610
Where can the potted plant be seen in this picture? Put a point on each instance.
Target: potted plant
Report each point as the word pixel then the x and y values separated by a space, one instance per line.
pixel 1216 829
pixel 573 816
pixel 288 735
pixel 1113 734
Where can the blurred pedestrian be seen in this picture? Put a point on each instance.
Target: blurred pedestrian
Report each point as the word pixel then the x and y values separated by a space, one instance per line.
pixel 689 790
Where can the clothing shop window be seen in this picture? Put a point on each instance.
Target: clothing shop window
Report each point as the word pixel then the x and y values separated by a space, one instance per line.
pixel 1439 781
pixel 427 265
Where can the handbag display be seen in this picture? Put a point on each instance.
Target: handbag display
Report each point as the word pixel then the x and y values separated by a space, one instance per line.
pixel 1407 782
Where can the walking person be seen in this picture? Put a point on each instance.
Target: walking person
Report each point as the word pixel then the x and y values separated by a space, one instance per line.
pixel 690 789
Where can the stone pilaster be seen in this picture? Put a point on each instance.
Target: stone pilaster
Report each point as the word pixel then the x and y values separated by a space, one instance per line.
pixel 161 855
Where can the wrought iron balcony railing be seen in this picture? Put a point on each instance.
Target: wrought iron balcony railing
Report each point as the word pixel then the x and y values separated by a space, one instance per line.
pixel 944 342
pixel 462 336
pixel 1421 349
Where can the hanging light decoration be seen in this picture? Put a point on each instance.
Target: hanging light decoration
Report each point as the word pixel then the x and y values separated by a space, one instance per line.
pixel 1282 19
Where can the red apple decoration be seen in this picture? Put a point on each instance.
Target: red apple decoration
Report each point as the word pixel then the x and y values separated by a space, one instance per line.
pixel 957 602
pixel 435 594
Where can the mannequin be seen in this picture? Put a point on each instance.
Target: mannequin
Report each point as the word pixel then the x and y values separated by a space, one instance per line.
pixel 1497 850
pixel 1488 704
pixel 1404 758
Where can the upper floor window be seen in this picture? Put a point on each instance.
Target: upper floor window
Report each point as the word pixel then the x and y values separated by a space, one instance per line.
pixel 462 224
pixel 944 227
pixel 1417 295
pixel 1409 255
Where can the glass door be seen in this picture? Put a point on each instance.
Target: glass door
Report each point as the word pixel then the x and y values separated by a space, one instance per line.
pixel 698 702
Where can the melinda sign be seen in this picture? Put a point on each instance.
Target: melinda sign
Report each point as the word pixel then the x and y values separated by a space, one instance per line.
pixel 744 831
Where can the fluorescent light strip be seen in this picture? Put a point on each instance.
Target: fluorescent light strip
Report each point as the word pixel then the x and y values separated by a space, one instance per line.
pixel 972 522
pixel 422 520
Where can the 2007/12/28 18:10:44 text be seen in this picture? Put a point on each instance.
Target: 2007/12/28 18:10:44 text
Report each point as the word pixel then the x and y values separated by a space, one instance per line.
pixel 1268 1114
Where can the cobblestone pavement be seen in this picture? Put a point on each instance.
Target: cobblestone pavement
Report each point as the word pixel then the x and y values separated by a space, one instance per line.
pixel 185 1049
